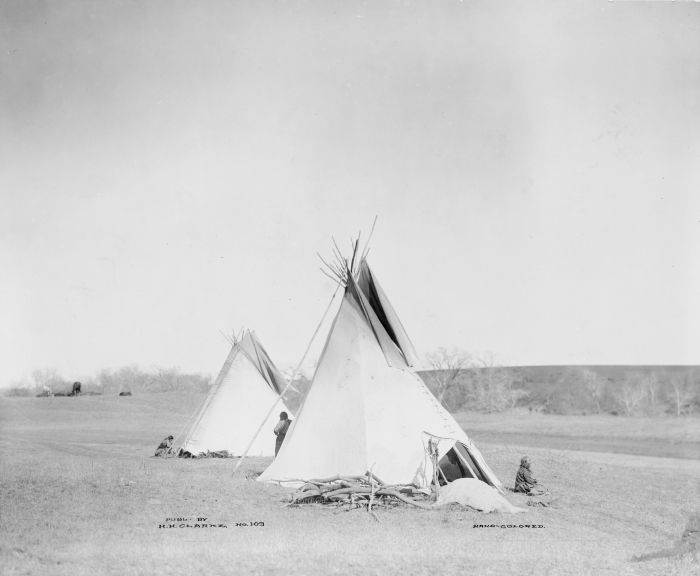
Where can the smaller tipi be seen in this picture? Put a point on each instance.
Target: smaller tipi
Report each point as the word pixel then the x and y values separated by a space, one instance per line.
pixel 239 401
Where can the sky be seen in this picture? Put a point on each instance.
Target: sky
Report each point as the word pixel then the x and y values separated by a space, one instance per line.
pixel 169 170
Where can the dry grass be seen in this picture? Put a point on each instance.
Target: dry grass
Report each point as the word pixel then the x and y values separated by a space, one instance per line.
pixel 81 495
pixel 644 436
pixel 671 428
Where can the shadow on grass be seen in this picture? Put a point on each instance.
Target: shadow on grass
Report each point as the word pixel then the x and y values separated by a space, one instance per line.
pixel 689 543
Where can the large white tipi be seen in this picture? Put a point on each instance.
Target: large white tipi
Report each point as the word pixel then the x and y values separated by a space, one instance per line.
pixel 367 410
pixel 239 401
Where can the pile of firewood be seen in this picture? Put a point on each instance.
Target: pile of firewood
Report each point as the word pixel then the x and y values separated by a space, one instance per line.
pixel 365 491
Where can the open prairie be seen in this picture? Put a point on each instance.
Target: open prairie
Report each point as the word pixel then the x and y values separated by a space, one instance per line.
pixel 82 495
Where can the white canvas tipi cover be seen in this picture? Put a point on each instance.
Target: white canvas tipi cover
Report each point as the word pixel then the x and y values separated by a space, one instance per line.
pixel 367 410
pixel 240 399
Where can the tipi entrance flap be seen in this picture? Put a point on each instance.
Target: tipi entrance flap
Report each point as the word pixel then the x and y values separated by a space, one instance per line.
pixel 460 454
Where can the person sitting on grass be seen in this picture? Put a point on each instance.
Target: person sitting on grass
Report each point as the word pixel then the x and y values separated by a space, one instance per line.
pixel 164 447
pixel 281 430
pixel 525 482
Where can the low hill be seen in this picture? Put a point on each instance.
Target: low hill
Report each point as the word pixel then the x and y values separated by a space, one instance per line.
pixel 618 389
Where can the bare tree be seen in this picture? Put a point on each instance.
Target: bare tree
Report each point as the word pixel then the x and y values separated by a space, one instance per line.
pixel 653 389
pixel 488 387
pixel 449 366
pixel 595 386
pixel 629 394
pixel 46 379
pixel 494 386
pixel 167 379
pixel 131 378
pixel 513 395
pixel 684 389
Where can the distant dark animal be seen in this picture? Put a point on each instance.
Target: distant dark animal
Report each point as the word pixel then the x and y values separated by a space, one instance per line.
pixel 125 393
pixel 76 389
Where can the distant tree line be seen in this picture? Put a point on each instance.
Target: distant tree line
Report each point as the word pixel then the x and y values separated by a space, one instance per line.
pixel 458 380
pixel 125 379
pixel 462 382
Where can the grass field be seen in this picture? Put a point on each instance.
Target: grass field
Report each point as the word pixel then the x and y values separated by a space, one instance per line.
pixel 81 495
pixel 644 436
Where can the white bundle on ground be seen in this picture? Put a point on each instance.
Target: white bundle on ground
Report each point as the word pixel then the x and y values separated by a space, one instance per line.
pixel 476 494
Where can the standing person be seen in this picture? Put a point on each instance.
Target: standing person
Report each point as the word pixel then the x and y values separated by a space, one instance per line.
pixel 525 482
pixel 281 430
